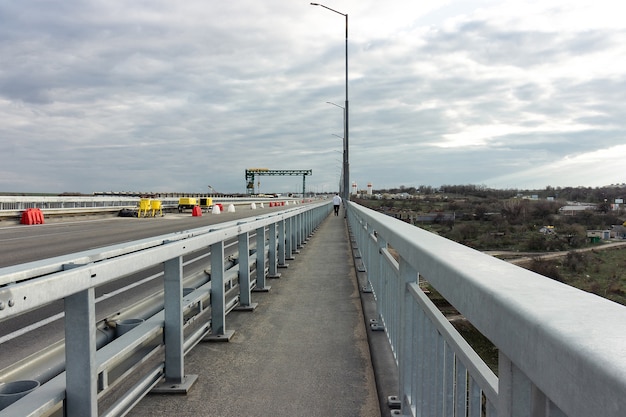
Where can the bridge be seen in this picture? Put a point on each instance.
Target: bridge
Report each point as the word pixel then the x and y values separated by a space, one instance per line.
pixel 310 343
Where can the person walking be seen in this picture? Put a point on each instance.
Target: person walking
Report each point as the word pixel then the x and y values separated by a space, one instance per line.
pixel 336 203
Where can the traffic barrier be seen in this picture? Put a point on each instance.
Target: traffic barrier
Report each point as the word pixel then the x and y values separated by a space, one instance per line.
pixel 253 206
pixel 144 207
pixel 217 209
pixel 155 205
pixel 196 211
pixel 231 208
pixel 262 206
pixel 32 216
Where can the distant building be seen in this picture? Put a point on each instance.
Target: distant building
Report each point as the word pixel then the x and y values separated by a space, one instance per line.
pixel 599 234
pixel 578 208
pixel 618 232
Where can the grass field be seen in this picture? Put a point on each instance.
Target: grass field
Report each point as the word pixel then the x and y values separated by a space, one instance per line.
pixel 602 272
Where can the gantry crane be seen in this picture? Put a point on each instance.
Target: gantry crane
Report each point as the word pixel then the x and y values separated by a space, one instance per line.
pixel 252 172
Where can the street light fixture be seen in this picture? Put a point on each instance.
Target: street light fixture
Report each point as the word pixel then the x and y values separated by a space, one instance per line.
pixel 346 161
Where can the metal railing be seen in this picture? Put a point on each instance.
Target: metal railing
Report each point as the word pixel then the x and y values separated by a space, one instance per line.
pixel 562 351
pixel 152 352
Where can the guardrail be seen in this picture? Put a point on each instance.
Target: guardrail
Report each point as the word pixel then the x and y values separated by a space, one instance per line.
pixel 562 352
pixel 20 203
pixel 135 362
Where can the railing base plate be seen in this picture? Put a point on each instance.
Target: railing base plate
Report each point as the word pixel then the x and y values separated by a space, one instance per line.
pixel 228 334
pixel 167 387
pixel 250 307
pixel 376 326
pixel 394 402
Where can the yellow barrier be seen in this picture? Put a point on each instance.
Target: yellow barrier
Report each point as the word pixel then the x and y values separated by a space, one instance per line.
pixel 156 206
pixel 144 207
pixel 149 208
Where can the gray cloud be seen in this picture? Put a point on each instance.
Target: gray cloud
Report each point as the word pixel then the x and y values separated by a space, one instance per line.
pixel 176 96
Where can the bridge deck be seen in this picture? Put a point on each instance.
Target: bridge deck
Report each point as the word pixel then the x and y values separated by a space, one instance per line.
pixel 302 352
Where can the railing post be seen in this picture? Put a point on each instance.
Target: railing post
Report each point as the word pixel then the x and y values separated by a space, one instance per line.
pixel 245 298
pixel 173 332
pixel 300 233
pixel 378 283
pixel 303 228
pixel 218 295
pixel 372 258
pixel 273 258
pixel 281 244
pixel 296 243
pixel 518 396
pixel 80 355
pixel 307 226
pixel 175 380
pixel 290 248
pixel 406 327
pixel 260 260
pixel 297 233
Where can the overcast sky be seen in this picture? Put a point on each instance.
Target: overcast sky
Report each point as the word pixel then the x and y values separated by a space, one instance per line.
pixel 154 95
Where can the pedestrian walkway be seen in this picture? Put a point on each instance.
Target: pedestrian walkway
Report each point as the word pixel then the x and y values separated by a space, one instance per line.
pixel 303 352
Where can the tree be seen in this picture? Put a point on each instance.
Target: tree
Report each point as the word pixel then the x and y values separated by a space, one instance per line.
pixel 514 210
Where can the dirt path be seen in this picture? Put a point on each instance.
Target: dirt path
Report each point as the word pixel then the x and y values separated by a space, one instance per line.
pixel 518 258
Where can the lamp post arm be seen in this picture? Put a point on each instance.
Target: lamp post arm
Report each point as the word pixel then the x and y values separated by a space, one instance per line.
pixel 326 7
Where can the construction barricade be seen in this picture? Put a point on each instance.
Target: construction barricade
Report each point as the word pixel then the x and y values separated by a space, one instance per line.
pixel 32 216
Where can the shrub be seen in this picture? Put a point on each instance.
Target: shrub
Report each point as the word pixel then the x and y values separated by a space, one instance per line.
pixel 537 243
pixel 575 261
pixel 546 268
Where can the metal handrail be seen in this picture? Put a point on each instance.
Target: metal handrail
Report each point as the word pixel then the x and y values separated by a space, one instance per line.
pixel 562 351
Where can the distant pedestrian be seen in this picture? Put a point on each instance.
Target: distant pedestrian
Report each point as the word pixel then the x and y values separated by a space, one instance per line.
pixel 336 203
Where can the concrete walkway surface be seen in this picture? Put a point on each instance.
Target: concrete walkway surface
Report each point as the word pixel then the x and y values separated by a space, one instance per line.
pixel 303 352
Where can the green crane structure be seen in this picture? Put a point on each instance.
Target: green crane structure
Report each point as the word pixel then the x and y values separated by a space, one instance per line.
pixel 251 173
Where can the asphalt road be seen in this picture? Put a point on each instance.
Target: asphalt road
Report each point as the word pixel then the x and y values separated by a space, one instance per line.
pixel 20 243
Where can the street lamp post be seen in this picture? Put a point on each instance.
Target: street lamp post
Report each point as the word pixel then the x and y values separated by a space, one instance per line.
pixel 346 161
pixel 345 147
